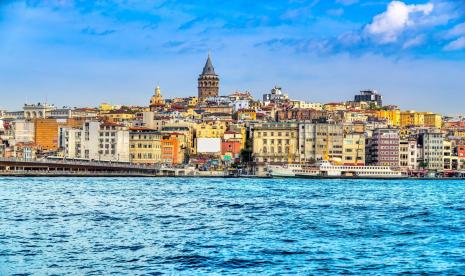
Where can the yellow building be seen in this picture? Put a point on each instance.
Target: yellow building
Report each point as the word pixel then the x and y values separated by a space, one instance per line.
pixel 119 116
pixel 420 119
pixel 106 107
pixel 240 128
pixel 211 129
pixel 393 117
pixel 353 149
pixel 432 120
pixel 411 118
pixel 275 143
pixel 145 146
pixel 246 115
pixel 334 107
pixel 192 101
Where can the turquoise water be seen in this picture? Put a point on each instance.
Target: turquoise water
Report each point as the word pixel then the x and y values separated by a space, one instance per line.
pixel 230 226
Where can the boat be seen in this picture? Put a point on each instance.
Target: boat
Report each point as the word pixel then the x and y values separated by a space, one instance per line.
pixel 325 169
pixel 293 170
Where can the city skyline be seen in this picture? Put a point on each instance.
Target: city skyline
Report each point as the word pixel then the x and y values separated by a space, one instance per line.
pixel 319 51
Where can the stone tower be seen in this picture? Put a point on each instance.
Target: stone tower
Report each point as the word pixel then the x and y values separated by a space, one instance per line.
pixel 208 81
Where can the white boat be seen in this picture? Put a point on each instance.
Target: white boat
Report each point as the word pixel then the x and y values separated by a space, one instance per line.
pixel 326 169
pixel 293 170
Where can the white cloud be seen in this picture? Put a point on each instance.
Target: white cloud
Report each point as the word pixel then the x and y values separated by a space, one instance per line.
pixel 388 26
pixel 414 42
pixel 456 45
pixel 458 30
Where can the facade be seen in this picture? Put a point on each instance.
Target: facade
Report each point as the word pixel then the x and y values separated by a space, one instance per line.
pixel 431 155
pixel 392 116
pixel 39 110
pixel 274 143
pixel 172 152
pixel 408 154
pixel 145 146
pixel 23 131
pixel 208 81
pixel 382 148
pixel 97 141
pixel 353 149
pixel 320 141
pixel 47 132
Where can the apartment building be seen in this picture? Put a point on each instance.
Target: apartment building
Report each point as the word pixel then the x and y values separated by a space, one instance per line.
pixel 145 146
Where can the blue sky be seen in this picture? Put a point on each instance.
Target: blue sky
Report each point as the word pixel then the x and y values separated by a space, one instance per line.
pixel 82 53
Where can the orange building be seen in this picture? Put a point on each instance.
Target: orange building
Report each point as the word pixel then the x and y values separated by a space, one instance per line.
pixel 461 151
pixel 171 151
pixel 46 131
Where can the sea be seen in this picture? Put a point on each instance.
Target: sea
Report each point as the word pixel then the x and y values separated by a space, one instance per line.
pixel 230 226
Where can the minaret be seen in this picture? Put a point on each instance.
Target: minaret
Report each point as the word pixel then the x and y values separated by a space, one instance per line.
pixel 208 81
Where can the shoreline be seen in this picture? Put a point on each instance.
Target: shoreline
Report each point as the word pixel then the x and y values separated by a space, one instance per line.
pixel 129 175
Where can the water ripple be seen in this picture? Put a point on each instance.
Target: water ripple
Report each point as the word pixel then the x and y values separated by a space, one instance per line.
pixel 132 226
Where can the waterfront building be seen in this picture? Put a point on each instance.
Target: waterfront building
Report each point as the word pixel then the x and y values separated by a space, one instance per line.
pixel 208 81
pixel 383 147
pixel 448 155
pixel 372 97
pixel 172 151
pixel 232 144
pixel 408 154
pixel 25 150
pixel 186 139
pixel 274 143
pixel 145 146
pixel 46 132
pixel 431 145
pixel 320 141
pixel 97 141
pixel 23 131
pixel 353 149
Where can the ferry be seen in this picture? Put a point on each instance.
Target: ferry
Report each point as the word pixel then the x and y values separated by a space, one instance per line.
pixel 325 169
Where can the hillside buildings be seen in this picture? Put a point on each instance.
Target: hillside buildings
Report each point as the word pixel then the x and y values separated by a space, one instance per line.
pixel 215 132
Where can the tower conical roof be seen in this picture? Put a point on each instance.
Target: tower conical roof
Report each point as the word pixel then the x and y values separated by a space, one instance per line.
pixel 208 68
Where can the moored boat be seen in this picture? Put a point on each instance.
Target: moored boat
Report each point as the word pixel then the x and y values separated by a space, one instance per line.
pixel 325 169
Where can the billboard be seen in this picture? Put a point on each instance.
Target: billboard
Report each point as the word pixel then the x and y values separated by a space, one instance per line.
pixel 208 145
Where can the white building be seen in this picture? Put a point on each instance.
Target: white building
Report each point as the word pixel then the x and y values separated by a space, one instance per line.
pixel 23 131
pixel 408 154
pixel 276 95
pixel 39 110
pixel 240 104
pixel 97 141
pixel 307 105
pixel 431 150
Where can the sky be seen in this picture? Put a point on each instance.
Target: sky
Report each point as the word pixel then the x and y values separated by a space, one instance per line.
pixel 83 53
